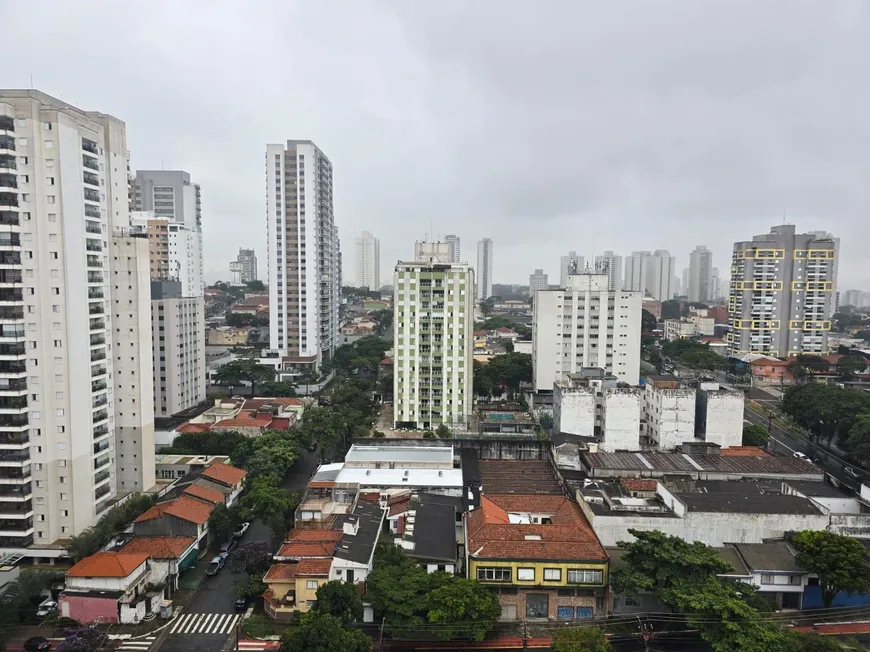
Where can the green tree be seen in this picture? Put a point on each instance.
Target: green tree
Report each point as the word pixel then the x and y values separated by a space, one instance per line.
pixel 850 365
pixel 276 388
pixel 321 632
pixel 244 370
pixel 266 501
pixel 546 421
pixel 341 600
pixel 510 370
pixel 462 608
pixel 648 321
pixel 223 521
pixel 755 435
pixel 251 587
pixel 858 441
pixel 863 334
pixel 671 309
pixel 508 346
pixel 206 443
pixel 397 589
pixel 841 562
pixel 825 410
pixel 271 454
pixel 443 432
pixel 252 557
pixel 580 639
pixel 486 307
pixel 255 286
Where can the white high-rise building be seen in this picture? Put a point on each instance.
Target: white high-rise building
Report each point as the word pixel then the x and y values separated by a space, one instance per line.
pixel 368 261
pixel 659 275
pixel 715 285
pixel 856 298
pixel 569 262
pixel 538 280
pixel 484 269
pixel 304 253
pixel 636 267
pixel 244 267
pixel 67 370
pixel 684 285
pixel 824 235
pixel 700 270
pixel 585 325
pixel 453 240
pixel 434 317
pixel 613 264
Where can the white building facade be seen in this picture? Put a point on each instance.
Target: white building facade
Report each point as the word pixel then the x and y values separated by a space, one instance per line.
pixel 304 253
pixel 660 275
pixel 610 264
pixel 433 340
pixel 538 281
pixel 568 263
pixel 700 274
pixel 63 190
pixel 585 325
pixel 368 261
pixel 455 246
pixel 668 416
pixel 484 267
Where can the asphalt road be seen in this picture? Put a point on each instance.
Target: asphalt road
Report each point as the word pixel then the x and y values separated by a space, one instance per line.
pixel 209 618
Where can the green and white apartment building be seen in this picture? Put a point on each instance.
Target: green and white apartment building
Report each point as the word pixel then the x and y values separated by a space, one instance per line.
pixel 434 338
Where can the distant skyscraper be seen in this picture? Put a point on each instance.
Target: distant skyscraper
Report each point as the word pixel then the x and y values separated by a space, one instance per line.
pixel 579 263
pixel 453 241
pixel 484 269
pixel 684 283
pixel 823 235
pixel 659 275
pixel 614 269
pixel 304 253
pixel 538 281
pixel 244 267
pixel 635 271
pixel 782 288
pixel 856 298
pixel 700 269
pixel 368 261
pixel 715 285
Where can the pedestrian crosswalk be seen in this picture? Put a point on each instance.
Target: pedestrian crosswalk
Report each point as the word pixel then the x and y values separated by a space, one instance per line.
pixel 204 623
pixel 250 645
pixel 134 645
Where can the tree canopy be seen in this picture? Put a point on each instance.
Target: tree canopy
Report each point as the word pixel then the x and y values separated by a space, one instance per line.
pixel 321 632
pixel 502 372
pixel 755 435
pixel 245 320
pixel 693 353
pixel 341 600
pixel 648 321
pixel 841 562
pixel 244 370
pixel 580 639
pixel 827 410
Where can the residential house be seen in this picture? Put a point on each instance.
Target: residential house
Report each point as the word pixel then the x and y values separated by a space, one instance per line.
pixel 770 567
pixel 251 417
pixel 170 467
pixel 293 586
pixel 227 476
pixel 184 516
pixel 227 336
pixel 109 587
pixel 169 556
pixel 354 554
pixel 539 554
pixel 430 529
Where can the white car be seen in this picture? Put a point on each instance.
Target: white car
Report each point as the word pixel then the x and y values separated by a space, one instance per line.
pixel 46 607
pixel 240 531
pixel 848 470
pixel 801 456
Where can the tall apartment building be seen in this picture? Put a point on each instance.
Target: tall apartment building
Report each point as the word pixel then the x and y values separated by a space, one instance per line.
pixel 244 267
pixel 613 264
pixel 484 269
pixel 434 324
pixel 782 288
pixel 585 325
pixel 170 195
pixel 304 255
pixel 368 261
pixel 66 368
pixel 659 275
pixel 715 285
pixel 175 251
pixel 700 271
pixel 453 240
pixel 856 298
pixel 823 235
pixel 538 281
pixel 635 271
pixel 568 263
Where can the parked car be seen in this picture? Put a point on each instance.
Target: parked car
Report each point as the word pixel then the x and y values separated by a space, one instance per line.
pixel 801 456
pixel 848 470
pixel 228 547
pixel 241 603
pixel 215 565
pixel 37 644
pixel 46 607
pixel 240 531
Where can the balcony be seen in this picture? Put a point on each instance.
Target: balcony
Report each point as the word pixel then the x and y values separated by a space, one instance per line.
pixel 94 261
pixel 101 431
pixel 7 123
pixel 92 212
pixel 13 385
pixel 14 438
pixel 91 179
pixel 98 371
pixel 14 475
pixel 102 476
pixel 96 309
pixel 96 293
pixel 97 355
pixel 98 338
pixel 102 461
pixel 99 447
pixel 11 295
pixel 12 367
pixel 8 162
pixel 97 324
pixel 13 403
pixel 9 218
pixel 7 144
pixel 90 227
pixel 93 277
pixel 102 415
pixel 90 163
pixel 103 490
pixel 89 146
pixel 100 401
pixel 9 199
pixel 98 386
pixel 18 457
pixel 92 195
pixel 20 509
pixel 10 277
pixel 24 541
pixel 13 313
pixel 8 180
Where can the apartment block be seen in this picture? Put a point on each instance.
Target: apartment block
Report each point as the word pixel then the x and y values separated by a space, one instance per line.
pixel 484 268
pixel 610 264
pixel 668 413
pixel 63 192
pixel 304 254
pixel 434 320
pixel 782 290
pixel 585 325
pixel 719 414
pixel 244 267
pixel 538 281
pixel 368 261
pixel 455 246
pixel 700 275
pixel 570 264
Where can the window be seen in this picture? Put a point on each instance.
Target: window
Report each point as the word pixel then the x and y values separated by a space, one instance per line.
pixel 526 574
pixel 585 577
pixel 767 579
pixel 311 584
pixel 794 579
pixel 552 574
pixel 494 574
pixel 64 496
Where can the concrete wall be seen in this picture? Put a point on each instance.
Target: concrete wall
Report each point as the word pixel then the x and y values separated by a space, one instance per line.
pixel 621 412
pixel 88 609
pixel 721 413
pixel 574 410
pixel 670 415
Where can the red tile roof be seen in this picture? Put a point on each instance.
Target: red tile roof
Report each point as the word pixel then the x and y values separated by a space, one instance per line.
pixel 744 451
pixel 638 484
pixel 280 573
pixel 160 547
pixel 239 423
pixel 194 427
pixel 569 537
pixel 108 564
pixel 400 507
pixel 319 536
pixel 314 567
pixel 303 549
pixel 211 495
pixel 225 474
pixel 183 507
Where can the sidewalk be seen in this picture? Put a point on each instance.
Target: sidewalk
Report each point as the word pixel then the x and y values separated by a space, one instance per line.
pixel 837 629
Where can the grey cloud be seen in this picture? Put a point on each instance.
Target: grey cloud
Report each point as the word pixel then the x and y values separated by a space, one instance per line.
pixel 546 126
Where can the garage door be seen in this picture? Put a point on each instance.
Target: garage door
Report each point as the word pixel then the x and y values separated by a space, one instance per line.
pixel 508 612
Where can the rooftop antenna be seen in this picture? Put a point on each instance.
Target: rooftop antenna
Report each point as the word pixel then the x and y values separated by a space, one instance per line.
pixel 31 81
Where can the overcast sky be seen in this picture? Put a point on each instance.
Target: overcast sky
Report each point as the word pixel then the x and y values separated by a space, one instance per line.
pixel 546 126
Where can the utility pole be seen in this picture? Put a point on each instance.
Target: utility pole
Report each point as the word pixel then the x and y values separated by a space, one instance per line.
pixel 525 635
pixel 645 633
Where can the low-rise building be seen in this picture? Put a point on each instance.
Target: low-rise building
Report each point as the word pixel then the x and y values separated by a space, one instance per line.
pixel 668 417
pixel 719 414
pixel 770 567
pixel 227 336
pixel 169 556
pixel 251 417
pixel 429 528
pixel 293 587
pixel 184 516
pixel 170 467
pixel 109 587
pixel 539 554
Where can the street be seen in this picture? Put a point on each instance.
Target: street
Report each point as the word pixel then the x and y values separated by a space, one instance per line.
pixel 209 619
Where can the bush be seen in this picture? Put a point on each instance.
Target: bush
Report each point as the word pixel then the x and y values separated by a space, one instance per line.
pixel 112 523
